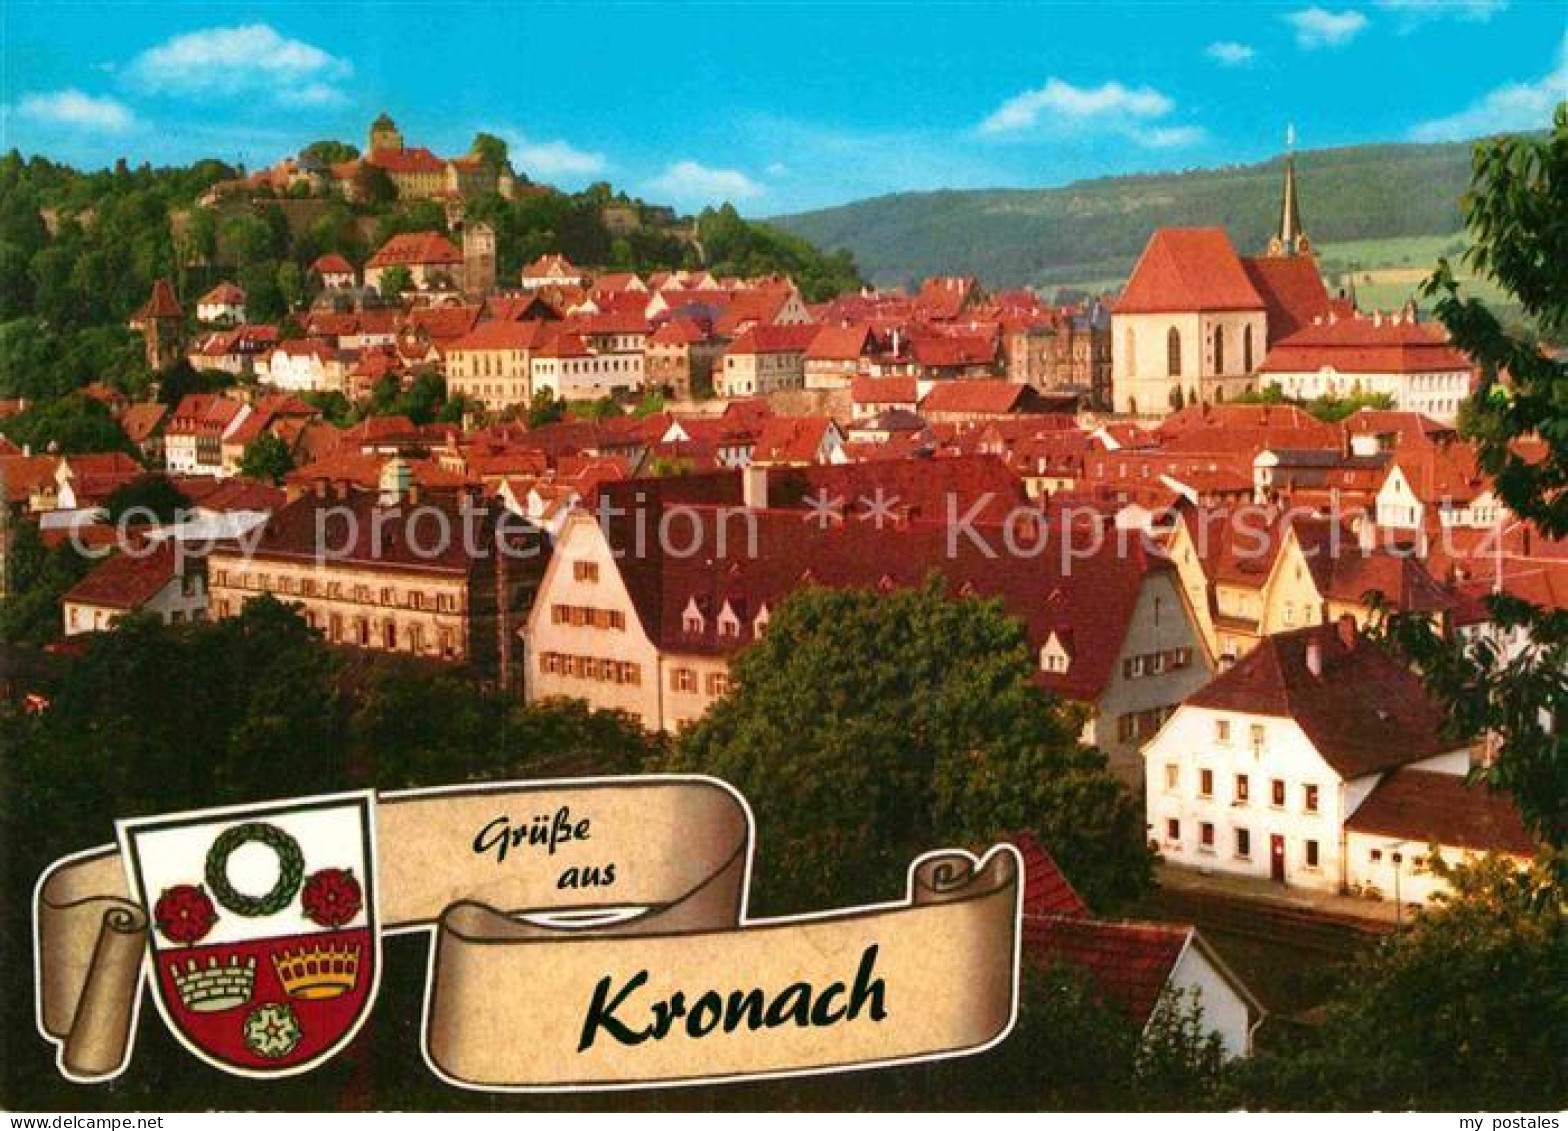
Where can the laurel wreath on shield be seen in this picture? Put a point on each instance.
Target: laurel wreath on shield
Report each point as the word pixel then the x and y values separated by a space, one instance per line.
pixel 291 869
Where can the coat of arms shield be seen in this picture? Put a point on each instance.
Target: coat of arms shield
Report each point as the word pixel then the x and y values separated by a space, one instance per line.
pixel 264 943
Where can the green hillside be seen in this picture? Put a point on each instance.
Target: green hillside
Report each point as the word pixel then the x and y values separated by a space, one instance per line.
pixel 1094 230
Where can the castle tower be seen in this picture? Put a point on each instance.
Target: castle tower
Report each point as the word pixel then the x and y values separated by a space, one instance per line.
pixel 478 258
pixel 384 135
pixel 162 326
pixel 1290 239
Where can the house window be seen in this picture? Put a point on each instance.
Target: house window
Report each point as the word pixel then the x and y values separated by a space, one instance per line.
pixel 1246 349
pixel 1173 352
pixel 1312 854
pixel 1310 798
pixel 718 684
pixel 1222 731
pixel 585 571
pixel 1243 843
pixel 1206 836
pixel 1219 349
pixel 1172 775
pixel 1376 854
pixel 1205 783
pixel 1277 793
pixel 1243 789
pixel 1172 829
pixel 683 679
pixel 1257 740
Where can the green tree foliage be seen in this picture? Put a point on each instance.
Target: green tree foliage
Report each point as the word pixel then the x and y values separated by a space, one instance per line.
pixel 545 408
pixel 39 362
pixel 267 458
pixel 328 152
pixel 373 187
pixel 867 728
pixel 1467 1009
pixel 396 280
pixel 146 498
pixel 1518 214
pixel 39 576
pixel 736 247
pixel 490 150
pixel 73 423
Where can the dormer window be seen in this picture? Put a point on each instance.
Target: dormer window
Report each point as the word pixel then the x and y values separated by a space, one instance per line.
pixel 760 624
pixel 692 621
pixel 729 623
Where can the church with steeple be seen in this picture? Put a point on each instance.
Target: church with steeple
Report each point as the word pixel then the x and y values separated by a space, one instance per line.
pixel 1195 319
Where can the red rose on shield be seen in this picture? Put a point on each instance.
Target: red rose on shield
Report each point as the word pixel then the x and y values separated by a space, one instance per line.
pixel 332 897
pixel 184 913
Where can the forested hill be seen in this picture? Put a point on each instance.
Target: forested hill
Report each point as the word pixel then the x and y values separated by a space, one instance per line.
pixel 1093 230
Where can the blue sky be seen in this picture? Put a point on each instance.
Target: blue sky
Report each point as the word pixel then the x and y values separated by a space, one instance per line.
pixel 777 107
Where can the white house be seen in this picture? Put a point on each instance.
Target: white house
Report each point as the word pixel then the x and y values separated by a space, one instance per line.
pixel 157 578
pixel 224 305
pixel 1259 773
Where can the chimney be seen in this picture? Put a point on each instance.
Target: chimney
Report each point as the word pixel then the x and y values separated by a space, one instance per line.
pixel 754 486
pixel 1315 654
pixel 1348 633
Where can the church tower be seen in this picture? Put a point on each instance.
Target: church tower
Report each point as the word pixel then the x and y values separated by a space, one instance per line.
pixel 478 258
pixel 162 326
pixel 1290 239
pixel 384 135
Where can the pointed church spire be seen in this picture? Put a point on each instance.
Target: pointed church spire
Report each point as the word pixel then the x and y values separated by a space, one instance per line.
pixel 1290 239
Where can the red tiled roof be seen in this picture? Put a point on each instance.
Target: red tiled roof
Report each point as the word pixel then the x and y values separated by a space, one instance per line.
pixel 1425 807
pixel 141 420
pixel 791 439
pixel 504 336
pixel 976 396
pixel 162 304
pixel 412 248
pixel 678 332
pixel 224 294
pixel 414 159
pixel 763 338
pixel 1131 963
pixel 444 324
pixel 885 390
pixel 1188 269
pixel 839 343
pixel 332 264
pixel 551 267
pixel 1046 889
pixel 127 580
pixel 1365 345
pixel 1364 713
pixel 1292 291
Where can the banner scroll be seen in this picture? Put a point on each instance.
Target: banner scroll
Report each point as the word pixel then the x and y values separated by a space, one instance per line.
pixel 593 934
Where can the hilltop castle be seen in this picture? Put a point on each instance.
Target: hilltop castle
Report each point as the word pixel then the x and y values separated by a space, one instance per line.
pixel 418 174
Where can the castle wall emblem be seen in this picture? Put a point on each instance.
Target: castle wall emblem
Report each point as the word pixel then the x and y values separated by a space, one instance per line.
pixel 264 947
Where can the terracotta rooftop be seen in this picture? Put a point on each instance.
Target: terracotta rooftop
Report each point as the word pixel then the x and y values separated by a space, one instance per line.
pixel 1365 712
pixel 126 580
pixel 1188 269
pixel 416 248
pixel 1424 808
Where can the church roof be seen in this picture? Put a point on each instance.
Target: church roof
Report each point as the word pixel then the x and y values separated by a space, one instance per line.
pixel 1185 269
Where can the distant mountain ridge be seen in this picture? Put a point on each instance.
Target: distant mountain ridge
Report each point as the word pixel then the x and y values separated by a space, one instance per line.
pixel 1094 230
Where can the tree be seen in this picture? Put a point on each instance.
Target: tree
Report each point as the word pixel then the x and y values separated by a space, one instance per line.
pixel 490 150
pixel 866 728
pixel 267 458
pixel 153 498
pixel 396 280
pixel 545 408
pixel 39 577
pixel 373 187
pixel 1517 211
pixel 74 423
pixel 328 152
pixel 1466 1008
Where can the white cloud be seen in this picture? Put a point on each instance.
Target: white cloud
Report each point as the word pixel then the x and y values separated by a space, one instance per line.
pixel 1065 102
pixel 554 158
pixel 1516 106
pixel 1229 53
pixel 691 182
pixel 249 59
pixel 1059 108
pixel 75 110
pixel 1318 27
pixel 1418 11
